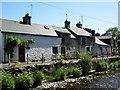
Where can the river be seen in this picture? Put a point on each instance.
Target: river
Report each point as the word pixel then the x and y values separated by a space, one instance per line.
pixel 104 81
pixel 99 81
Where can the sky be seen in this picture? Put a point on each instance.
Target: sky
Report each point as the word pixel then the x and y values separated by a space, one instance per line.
pixel 98 16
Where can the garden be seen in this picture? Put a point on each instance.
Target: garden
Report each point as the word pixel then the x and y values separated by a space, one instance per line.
pixel 15 78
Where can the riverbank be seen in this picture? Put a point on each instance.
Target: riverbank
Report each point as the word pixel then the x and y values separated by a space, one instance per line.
pixel 55 75
pixel 84 81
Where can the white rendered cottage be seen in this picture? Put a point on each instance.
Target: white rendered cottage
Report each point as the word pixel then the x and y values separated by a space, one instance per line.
pixel 100 48
pixel 46 40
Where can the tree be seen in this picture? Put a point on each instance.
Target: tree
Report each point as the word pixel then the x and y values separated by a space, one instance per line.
pixel 118 35
pixel 111 31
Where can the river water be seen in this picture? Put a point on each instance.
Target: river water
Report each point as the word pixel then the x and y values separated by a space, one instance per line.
pixel 98 81
pixel 104 81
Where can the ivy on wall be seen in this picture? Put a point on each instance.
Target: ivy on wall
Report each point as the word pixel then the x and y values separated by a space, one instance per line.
pixel 15 41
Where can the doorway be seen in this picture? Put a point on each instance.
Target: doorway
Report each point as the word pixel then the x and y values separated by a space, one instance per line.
pixel 21 54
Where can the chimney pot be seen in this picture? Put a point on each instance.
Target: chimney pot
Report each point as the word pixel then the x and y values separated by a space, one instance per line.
pixel 79 25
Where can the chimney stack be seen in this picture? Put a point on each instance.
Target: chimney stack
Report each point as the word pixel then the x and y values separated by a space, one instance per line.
pixel 26 19
pixel 93 32
pixel 79 25
pixel 67 24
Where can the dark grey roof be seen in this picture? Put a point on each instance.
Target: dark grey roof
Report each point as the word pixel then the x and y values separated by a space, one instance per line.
pixel 62 30
pixel 105 37
pixel 79 31
pixel 16 27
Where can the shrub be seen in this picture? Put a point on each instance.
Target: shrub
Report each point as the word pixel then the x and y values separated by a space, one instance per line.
pixel 114 65
pixel 111 66
pixel 59 74
pixel 85 63
pixel 24 81
pixel 49 78
pixel 74 71
pixel 8 82
pixel 119 64
pixel 77 72
pixel 69 71
pixel 101 66
pixel 38 77
pixel 62 58
pixel 78 55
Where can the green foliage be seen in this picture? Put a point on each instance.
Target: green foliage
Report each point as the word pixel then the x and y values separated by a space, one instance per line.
pixel 24 43
pixel 62 58
pixel 78 55
pixel 31 41
pixel 15 41
pixel 118 35
pixel 11 43
pixel 77 72
pixel 24 81
pixel 38 77
pixel 101 65
pixel 85 63
pixel 119 64
pixel 74 71
pixel 59 74
pixel 8 82
pixel 111 31
pixel 49 78
pixel 114 65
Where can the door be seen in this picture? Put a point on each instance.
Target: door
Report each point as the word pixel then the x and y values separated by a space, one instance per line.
pixel 21 54
pixel 63 50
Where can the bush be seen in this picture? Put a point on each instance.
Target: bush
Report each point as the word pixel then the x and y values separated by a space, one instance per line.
pixel 111 66
pixel 101 66
pixel 115 65
pixel 77 72
pixel 85 63
pixel 8 82
pixel 59 74
pixel 49 78
pixel 74 71
pixel 38 77
pixel 119 64
pixel 78 55
pixel 62 58
pixel 24 81
pixel 69 71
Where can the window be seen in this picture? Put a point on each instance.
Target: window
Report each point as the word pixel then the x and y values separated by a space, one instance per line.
pixel 55 50
pixel 83 41
pixel 88 49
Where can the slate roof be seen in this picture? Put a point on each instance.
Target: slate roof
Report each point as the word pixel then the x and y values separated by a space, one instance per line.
pixel 99 42
pixel 105 37
pixel 63 30
pixel 79 31
pixel 35 29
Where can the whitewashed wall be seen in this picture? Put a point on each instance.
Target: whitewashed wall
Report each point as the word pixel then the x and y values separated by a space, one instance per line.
pixel 96 50
pixel 42 45
pixel 1 53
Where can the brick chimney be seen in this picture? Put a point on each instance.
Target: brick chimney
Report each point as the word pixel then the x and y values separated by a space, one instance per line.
pixel 67 24
pixel 26 19
pixel 79 25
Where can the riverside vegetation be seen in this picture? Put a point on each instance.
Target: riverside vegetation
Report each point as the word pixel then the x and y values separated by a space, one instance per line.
pixel 31 78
